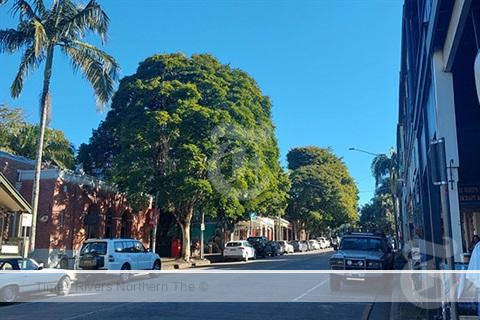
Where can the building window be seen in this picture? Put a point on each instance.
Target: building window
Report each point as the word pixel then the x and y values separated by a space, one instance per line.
pixel 109 224
pixel 126 226
pixel 12 226
pixel 92 222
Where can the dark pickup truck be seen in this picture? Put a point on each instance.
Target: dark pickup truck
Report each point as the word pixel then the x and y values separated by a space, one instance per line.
pixel 360 251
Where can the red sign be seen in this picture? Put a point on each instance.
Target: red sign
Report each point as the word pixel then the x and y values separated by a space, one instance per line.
pixel 152 217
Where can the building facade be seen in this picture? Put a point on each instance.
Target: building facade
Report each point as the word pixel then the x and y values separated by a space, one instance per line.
pixel 72 208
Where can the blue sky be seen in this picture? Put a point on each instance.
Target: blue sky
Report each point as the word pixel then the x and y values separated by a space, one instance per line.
pixel 330 67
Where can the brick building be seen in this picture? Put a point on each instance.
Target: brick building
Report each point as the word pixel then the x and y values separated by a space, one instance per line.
pixel 72 207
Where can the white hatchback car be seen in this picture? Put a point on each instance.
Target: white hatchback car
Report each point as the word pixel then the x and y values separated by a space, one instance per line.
pixel 324 243
pixel 287 247
pixel 239 250
pixel 117 254
pixel 314 244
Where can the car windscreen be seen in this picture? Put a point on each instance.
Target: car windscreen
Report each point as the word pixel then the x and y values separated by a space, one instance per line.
pixel 364 244
pixel 99 248
pixel 234 244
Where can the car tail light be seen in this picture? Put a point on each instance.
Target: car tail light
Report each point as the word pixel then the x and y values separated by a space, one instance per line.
pixel 242 248
pixel 111 258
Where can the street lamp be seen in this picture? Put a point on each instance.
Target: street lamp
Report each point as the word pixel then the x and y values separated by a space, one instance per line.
pixel 367 152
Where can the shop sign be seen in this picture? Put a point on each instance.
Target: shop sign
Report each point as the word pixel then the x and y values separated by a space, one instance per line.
pixel 469 194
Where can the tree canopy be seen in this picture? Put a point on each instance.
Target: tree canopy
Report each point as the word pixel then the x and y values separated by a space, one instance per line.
pixel 19 137
pixel 378 214
pixel 196 133
pixel 323 194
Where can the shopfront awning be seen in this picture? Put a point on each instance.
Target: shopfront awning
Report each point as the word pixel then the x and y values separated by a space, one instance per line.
pixel 10 198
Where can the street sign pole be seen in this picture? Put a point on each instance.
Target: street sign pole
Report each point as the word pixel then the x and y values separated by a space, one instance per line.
pixel 202 230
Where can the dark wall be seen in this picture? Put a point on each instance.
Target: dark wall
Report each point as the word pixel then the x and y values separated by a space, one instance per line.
pixel 467 108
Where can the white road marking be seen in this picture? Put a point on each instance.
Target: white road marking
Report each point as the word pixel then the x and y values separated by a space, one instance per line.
pixel 310 290
pixel 85 315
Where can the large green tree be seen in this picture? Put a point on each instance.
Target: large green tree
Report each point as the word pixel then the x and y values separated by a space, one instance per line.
pixel 194 132
pixel 323 194
pixel 40 31
pixel 19 137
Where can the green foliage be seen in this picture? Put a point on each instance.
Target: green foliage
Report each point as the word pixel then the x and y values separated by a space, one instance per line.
pixel 21 138
pixel 323 194
pixel 64 25
pixel 378 214
pixel 10 124
pixel 197 133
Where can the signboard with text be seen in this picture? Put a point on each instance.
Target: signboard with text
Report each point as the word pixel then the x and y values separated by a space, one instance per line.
pixel 469 195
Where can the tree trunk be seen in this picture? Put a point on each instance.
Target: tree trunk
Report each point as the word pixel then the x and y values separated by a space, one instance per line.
pixel 185 220
pixel 44 109
pixel 185 226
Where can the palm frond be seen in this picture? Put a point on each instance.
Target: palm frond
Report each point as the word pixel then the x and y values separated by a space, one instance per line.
pixel 24 9
pixel 40 38
pixel 40 8
pixel 29 62
pixel 91 17
pixel 12 40
pixel 98 67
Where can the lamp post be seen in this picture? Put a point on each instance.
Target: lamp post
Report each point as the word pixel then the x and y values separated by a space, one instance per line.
pixel 367 152
pixel 202 230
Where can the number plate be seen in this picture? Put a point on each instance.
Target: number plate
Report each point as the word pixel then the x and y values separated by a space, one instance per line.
pixel 88 263
pixel 355 276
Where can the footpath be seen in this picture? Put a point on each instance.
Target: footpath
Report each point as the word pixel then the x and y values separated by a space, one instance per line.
pixel 396 310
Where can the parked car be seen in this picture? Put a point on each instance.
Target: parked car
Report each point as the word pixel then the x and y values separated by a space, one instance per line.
pixel 308 245
pixel 13 284
pixel 272 249
pixel 117 254
pixel 299 246
pixel 287 247
pixel 324 243
pixel 314 244
pixel 360 251
pixel 239 250
pixel 260 245
pixel 334 242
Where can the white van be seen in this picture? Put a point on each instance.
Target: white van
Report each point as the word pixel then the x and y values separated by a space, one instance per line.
pixel 117 254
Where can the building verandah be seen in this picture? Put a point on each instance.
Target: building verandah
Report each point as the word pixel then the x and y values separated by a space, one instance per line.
pixel 12 206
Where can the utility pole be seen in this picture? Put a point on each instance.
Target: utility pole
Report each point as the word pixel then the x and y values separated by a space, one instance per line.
pixel 156 214
pixel 202 230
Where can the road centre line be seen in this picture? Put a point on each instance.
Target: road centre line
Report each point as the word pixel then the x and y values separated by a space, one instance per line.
pixel 310 290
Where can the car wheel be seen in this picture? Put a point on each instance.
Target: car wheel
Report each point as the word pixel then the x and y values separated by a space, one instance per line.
pixel 246 258
pixel 9 294
pixel 125 276
pixel 335 283
pixel 64 286
pixel 156 267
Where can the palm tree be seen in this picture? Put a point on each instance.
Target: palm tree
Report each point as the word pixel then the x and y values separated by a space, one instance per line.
pixel 381 168
pixel 39 32
pixel 385 172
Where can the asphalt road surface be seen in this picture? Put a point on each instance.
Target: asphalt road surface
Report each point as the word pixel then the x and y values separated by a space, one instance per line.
pixel 225 292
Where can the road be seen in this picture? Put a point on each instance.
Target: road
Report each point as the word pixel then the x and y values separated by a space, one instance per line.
pixel 273 292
